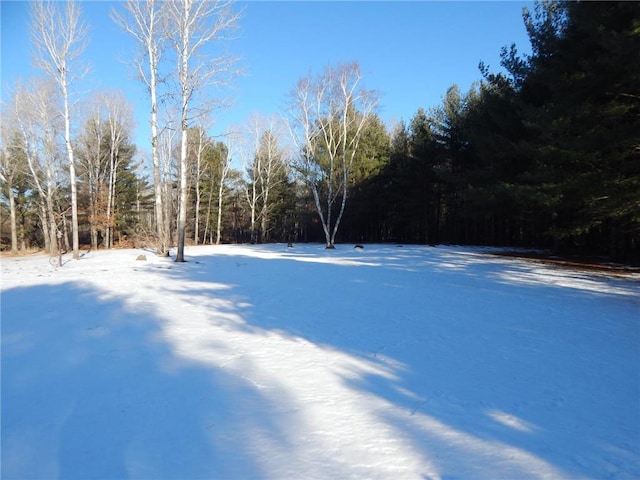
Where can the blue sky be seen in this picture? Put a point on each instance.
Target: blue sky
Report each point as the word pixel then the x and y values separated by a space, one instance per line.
pixel 410 51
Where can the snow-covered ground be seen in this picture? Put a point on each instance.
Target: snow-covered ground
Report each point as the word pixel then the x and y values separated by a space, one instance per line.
pixel 276 363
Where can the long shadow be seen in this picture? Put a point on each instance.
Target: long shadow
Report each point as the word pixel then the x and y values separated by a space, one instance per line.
pixel 90 390
pixel 543 371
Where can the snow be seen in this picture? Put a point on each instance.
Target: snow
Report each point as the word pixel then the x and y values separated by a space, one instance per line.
pixel 286 363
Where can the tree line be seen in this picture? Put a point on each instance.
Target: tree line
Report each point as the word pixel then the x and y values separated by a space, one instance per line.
pixel 544 154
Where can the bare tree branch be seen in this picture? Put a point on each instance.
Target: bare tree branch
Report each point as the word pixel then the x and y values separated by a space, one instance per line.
pixel 327 116
pixel 146 22
pixel 196 24
pixel 60 39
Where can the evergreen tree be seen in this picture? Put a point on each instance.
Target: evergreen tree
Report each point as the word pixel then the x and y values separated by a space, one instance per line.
pixel 583 99
pixel 367 204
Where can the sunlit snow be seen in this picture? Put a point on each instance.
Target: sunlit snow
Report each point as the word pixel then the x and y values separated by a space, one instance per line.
pixel 282 363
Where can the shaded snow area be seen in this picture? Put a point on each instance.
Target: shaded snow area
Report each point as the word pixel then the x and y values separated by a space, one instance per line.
pixel 274 363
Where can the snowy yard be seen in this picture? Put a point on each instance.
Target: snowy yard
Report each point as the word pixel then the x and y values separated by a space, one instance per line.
pixel 276 363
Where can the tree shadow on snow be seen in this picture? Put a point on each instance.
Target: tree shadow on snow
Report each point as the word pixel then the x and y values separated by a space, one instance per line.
pixel 91 390
pixel 495 372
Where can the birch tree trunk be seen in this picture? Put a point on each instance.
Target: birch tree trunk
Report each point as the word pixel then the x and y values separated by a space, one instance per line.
pixel 327 116
pixel 36 119
pixel 207 228
pixel 225 167
pixel 196 229
pixel 89 159
pixel 183 20
pixel 220 197
pixel 145 25
pixel 252 200
pixel 12 216
pixel 182 205
pixel 166 145
pixel 8 170
pixel 196 24
pixel 59 39
pixel 72 171
pixel 263 161
pixel 273 165
pixel 201 167
pixel 120 121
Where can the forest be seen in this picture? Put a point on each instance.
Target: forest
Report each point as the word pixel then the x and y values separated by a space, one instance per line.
pixel 544 154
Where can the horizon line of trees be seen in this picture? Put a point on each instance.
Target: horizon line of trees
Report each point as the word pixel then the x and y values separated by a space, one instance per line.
pixel 543 155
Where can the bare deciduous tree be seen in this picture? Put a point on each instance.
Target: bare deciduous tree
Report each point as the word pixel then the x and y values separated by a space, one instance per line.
pixel 264 157
pixel 202 144
pixel 91 159
pixel 327 116
pixel 59 38
pixel 119 115
pixel 145 21
pixel 166 146
pixel 10 167
pixel 195 25
pixel 39 126
pixel 225 167
pixel 99 148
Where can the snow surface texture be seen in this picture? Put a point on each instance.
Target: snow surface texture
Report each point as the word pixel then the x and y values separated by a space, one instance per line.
pixel 277 363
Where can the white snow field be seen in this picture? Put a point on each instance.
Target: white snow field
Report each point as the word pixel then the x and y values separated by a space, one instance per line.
pixel 304 363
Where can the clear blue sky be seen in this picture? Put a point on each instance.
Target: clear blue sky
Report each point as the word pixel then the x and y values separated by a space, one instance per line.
pixel 410 51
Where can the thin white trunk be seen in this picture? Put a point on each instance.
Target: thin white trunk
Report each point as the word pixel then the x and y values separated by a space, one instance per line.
pixel 252 199
pixel 329 114
pixel 196 228
pixel 45 193
pixel 186 88
pixel 182 205
pixel 72 170
pixel 7 178
pixel 145 26
pixel 264 213
pixel 199 152
pixel 208 222
pixel 59 40
pixel 223 175
pixel 195 25
pixel 12 214
pixel 162 242
pixel 219 222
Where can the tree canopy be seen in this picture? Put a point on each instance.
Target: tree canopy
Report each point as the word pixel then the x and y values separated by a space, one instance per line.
pixel 544 152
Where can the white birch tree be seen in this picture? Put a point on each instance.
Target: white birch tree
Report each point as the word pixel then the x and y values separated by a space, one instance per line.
pixel 99 145
pixel 146 22
pixel 167 143
pixel 252 165
pixel 119 122
pixel 91 158
pixel 265 160
pixel 38 122
pixel 225 168
pixel 10 168
pixel 327 114
pixel 195 24
pixel 213 167
pixel 59 38
pixel 202 146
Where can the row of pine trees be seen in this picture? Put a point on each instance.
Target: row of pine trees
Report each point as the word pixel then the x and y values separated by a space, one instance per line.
pixel 544 154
